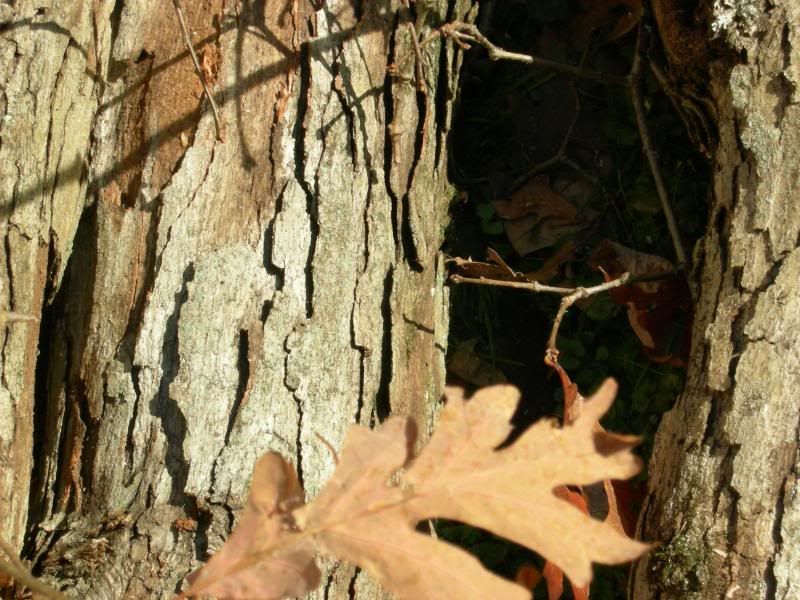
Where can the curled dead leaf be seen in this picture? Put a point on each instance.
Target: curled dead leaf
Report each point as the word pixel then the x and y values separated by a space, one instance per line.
pixel 659 311
pixel 536 216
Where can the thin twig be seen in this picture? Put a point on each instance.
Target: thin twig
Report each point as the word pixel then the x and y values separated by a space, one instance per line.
pixel 188 41
pixel 647 144
pixel 419 61
pixel 329 447
pixel 551 354
pixel 16 569
pixel 570 296
pixel 15 317
pixel 530 286
pixel 559 156
pixel 465 33
pixel 11 553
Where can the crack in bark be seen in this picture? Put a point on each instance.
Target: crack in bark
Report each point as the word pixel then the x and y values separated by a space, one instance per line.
pixel 128 472
pixel 362 354
pixel 338 86
pixel 383 406
pixel 727 469
pixel 300 133
pixel 292 387
pixel 442 99
pixel 278 273
pixel 717 399
pixel 770 578
pixel 388 140
pixel 351 587
pixel 242 389
pixel 407 237
pixel 417 325
pixel 163 406
pixel 326 591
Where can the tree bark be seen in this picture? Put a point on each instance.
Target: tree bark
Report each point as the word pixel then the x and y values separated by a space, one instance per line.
pixel 202 301
pixel 724 498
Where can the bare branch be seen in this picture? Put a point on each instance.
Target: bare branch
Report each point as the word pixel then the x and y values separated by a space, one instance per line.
pixel 647 144
pixel 15 317
pixel 551 354
pixel 188 40
pixel 529 286
pixel 465 34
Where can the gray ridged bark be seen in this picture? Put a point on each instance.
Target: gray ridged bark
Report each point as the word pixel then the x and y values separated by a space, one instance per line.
pixel 724 494
pixel 202 302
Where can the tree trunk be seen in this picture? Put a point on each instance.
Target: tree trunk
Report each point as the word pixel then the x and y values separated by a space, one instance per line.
pixel 724 498
pixel 202 301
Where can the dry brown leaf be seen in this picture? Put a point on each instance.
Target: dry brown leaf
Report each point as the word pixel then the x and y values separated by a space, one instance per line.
pixel 459 476
pixel 596 499
pixel 368 511
pixel 617 17
pixel 264 557
pixel 495 268
pixel 553 576
pixel 659 311
pixel 528 576
pixel 536 216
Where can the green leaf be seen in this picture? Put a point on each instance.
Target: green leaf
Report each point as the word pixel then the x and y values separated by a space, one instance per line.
pixel 485 212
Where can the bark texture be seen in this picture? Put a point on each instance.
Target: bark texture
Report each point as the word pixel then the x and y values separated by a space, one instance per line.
pixel 724 495
pixel 201 301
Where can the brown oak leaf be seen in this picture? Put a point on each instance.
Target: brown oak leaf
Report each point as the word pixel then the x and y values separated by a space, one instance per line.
pixel 368 512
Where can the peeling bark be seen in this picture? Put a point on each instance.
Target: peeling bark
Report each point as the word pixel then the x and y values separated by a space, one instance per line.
pixel 203 302
pixel 724 496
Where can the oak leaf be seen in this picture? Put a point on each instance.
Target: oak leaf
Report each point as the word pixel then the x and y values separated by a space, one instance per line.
pixel 368 512
pixel 264 557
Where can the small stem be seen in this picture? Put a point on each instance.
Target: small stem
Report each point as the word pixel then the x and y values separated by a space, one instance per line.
pixel 551 354
pixel 328 446
pixel 559 156
pixel 530 286
pixel 464 33
pixel 647 144
pixel 419 64
pixel 188 40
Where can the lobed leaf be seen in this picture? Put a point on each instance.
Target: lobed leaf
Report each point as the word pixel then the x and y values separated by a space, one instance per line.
pixel 264 557
pixel 369 510
pixel 511 491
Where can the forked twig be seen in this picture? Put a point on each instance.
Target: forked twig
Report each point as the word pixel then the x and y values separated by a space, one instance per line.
pixel 551 354
pixel 570 296
pixel 466 33
pixel 188 41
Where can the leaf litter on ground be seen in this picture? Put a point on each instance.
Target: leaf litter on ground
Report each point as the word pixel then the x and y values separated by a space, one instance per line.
pixel 368 511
